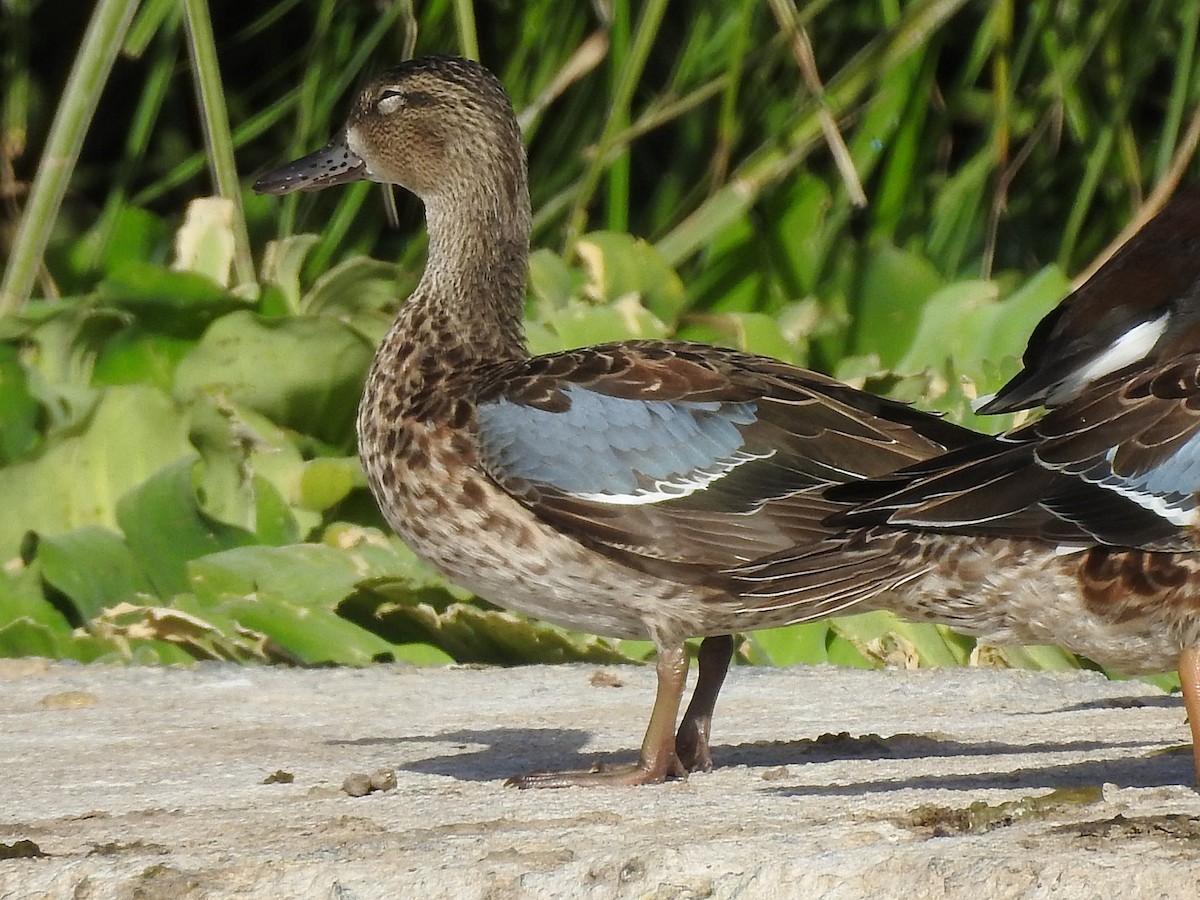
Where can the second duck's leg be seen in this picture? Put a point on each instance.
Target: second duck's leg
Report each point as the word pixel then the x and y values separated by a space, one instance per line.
pixel 691 741
pixel 657 760
pixel 1189 679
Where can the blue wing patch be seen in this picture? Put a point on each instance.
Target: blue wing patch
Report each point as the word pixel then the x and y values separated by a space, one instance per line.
pixel 1168 489
pixel 615 450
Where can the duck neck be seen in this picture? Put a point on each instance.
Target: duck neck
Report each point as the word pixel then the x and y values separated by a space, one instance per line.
pixel 473 289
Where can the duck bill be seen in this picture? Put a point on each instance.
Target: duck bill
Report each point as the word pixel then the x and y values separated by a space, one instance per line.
pixel 335 163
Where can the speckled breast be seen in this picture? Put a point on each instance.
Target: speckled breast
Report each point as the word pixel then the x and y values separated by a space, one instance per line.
pixel 423 472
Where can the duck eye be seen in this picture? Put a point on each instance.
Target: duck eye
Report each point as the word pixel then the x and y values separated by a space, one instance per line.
pixel 389 102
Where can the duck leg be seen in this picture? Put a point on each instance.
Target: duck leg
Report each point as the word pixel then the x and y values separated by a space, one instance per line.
pixel 691 741
pixel 1189 679
pixel 657 760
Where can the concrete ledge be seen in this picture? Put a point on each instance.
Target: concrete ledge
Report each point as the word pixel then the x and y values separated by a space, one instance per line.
pixel 149 783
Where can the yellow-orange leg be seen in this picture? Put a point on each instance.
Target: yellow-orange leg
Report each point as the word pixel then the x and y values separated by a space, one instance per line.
pixel 1189 678
pixel 657 760
pixel 691 741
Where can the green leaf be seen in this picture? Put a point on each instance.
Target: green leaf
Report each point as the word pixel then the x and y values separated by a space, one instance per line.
pixel 1006 331
pixel 19 410
pixel 32 626
pixel 94 568
pixel 947 329
pixel 21 597
pixel 258 626
pixel 1047 659
pixel 843 651
pixel 24 637
pixel 290 594
pixel 748 331
pixel 794 644
pixel 470 634
pixel 166 528
pixel 579 325
pixel 735 275
pixel 282 264
pixel 309 574
pixel 620 265
pixel 880 635
pixel 422 655
pixel 251 469
pixel 275 521
pixel 135 234
pixel 77 477
pixel 305 373
pixel 358 286
pixel 165 300
pixel 966 331
pixel 383 553
pixel 136 354
pixel 895 288
pixel 551 280
pixel 1168 681
pixel 310 633
pixel 325 482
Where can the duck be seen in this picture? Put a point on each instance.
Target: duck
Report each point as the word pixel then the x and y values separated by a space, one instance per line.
pixel 1140 306
pixel 607 489
pixel 1078 529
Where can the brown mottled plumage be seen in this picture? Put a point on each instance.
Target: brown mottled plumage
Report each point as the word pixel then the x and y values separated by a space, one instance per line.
pixel 1079 529
pixel 606 489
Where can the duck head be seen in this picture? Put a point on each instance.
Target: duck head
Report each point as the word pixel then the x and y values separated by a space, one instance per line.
pixel 436 126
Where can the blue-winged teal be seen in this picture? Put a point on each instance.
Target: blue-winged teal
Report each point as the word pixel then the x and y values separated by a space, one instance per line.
pixel 1079 529
pixel 605 489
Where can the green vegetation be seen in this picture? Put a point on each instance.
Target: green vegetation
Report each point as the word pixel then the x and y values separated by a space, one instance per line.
pixel 178 379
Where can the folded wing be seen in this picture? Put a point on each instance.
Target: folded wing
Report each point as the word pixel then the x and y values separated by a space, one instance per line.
pixel 689 458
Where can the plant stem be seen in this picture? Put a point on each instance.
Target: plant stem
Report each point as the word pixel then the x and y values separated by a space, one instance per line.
pixel 618 169
pixel 206 74
pixel 464 21
pixel 101 43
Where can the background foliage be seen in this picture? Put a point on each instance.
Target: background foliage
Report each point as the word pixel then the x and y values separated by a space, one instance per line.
pixel 177 391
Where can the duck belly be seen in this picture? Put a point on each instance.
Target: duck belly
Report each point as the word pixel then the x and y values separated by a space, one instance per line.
pixel 461 523
pixel 1026 592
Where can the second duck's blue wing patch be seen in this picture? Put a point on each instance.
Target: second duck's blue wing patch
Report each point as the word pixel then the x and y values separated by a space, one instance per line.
pixel 1167 488
pixel 616 450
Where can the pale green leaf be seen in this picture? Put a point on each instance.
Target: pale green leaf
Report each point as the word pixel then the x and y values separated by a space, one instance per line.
pixel 94 568
pixel 77 478
pixel 619 266
pixel 166 528
pixel 305 373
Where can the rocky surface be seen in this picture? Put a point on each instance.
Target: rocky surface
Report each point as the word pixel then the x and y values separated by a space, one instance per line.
pixel 218 781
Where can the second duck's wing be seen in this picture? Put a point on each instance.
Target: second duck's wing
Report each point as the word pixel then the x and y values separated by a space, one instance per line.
pixel 685 456
pixel 1119 465
pixel 1142 305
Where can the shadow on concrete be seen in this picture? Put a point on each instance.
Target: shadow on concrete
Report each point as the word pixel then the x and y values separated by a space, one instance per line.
pixel 1165 701
pixel 498 753
pixel 1163 769
pixel 501 752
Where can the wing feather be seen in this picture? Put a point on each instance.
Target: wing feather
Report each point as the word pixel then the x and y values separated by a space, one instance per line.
pixel 1120 465
pixel 685 456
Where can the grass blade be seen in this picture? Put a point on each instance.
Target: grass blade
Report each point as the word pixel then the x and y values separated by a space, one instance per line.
pixel 95 59
pixel 206 73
